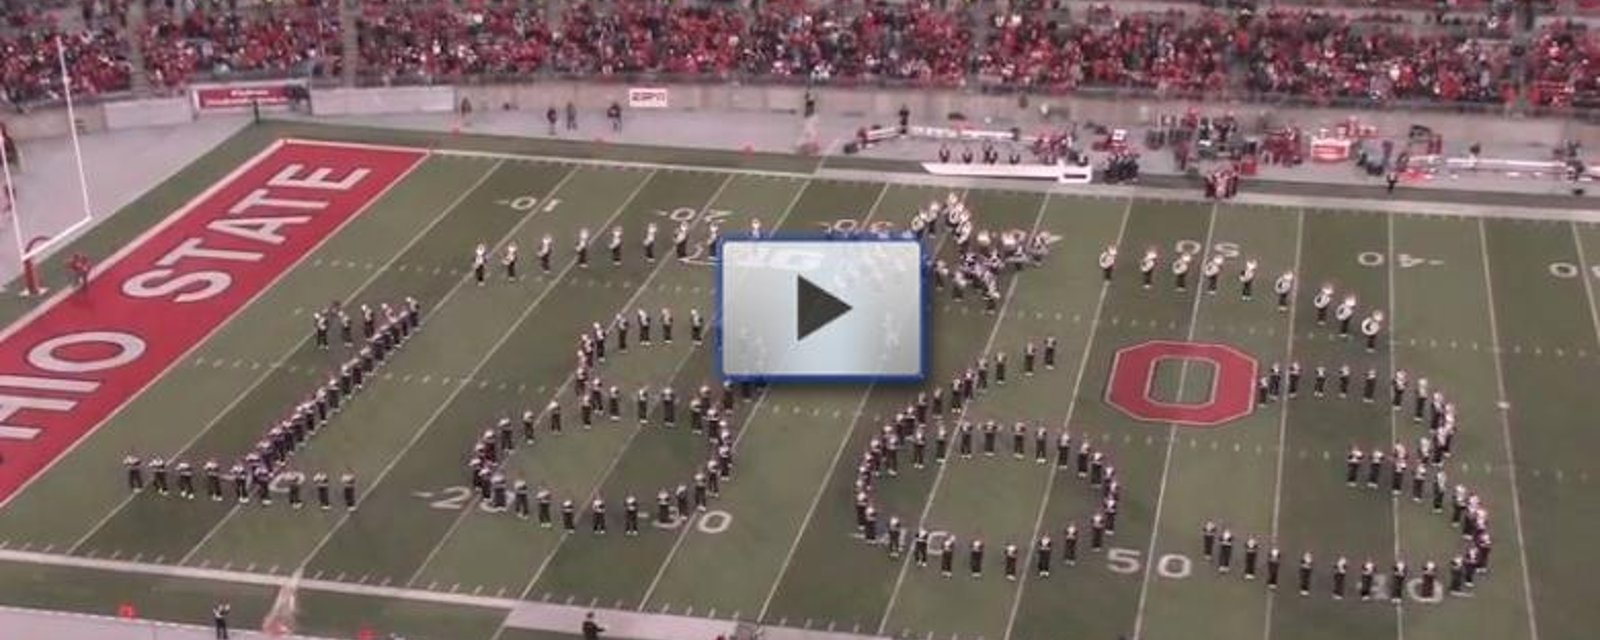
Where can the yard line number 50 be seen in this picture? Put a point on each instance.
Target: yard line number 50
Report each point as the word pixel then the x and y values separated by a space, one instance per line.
pixel 1176 566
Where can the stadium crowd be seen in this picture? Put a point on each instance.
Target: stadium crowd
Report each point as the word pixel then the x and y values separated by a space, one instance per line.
pixel 1373 50
pixel 284 41
pixel 30 63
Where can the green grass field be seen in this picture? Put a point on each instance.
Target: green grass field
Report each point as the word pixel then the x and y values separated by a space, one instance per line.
pixel 1498 313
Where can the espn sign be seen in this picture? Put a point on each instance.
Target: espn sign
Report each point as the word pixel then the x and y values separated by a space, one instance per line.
pixel 230 97
pixel 647 97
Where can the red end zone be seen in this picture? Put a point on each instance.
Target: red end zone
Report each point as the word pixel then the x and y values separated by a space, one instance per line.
pixel 67 366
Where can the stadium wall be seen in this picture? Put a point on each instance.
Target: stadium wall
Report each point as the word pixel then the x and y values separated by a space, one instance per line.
pixel 872 105
pixel 879 105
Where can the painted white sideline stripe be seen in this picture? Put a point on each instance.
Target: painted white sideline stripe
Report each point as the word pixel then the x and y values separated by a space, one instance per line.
pixel 522 614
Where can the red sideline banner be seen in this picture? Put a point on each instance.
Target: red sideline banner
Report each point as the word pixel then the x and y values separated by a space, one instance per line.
pixel 226 97
pixel 647 97
pixel 69 365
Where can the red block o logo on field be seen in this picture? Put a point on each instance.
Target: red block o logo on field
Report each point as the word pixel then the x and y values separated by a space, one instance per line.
pixel 1232 382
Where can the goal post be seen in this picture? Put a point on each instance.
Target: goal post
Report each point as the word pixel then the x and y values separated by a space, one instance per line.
pixel 33 245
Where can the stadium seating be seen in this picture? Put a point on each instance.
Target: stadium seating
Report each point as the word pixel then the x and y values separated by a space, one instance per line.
pixel 280 40
pixel 30 65
pixel 1371 51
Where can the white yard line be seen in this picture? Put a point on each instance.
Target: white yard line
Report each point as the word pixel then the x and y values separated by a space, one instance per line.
pixel 1505 411
pixel 1172 439
pixel 467 380
pixel 683 533
pixel 938 477
pixel 816 499
pixel 560 388
pixel 1584 274
pixel 1066 423
pixel 822 488
pixel 1394 430
pixel 549 557
pixel 431 309
pixel 267 372
pixel 1283 416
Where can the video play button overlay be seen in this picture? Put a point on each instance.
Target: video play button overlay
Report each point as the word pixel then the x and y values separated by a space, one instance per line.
pixel 820 309
pixel 815 307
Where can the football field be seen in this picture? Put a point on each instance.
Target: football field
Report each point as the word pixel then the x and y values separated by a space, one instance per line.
pixel 1497 313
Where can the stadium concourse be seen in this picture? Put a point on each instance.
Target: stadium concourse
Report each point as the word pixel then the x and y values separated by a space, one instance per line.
pixel 1475 52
